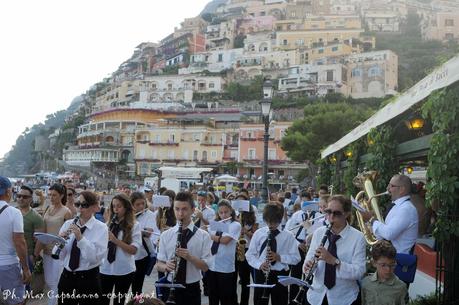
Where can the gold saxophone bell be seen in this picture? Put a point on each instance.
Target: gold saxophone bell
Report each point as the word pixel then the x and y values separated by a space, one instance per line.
pixel 367 199
pixel 240 249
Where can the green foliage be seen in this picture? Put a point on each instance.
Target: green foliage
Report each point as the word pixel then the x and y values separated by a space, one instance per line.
pixel 241 93
pixel 170 70
pixel 352 168
pixel 239 41
pixel 416 57
pixel 442 108
pixel 325 173
pixel 430 299
pixel 322 125
pixel 382 151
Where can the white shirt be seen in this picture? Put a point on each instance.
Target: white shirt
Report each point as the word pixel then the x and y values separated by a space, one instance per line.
pixel 124 262
pixel 92 245
pixel 11 221
pixel 147 220
pixel 401 225
pixel 224 260
pixel 287 248
pixel 199 245
pixel 299 217
pixel 351 253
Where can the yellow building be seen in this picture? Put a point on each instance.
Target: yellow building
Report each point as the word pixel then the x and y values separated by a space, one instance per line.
pixel 286 40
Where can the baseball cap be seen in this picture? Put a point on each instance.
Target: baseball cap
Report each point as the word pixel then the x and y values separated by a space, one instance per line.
pixel 5 184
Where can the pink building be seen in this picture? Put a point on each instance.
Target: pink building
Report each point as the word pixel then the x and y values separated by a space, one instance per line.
pixel 251 152
pixel 256 24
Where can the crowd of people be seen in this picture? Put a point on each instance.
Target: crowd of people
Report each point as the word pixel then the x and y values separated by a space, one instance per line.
pixel 109 250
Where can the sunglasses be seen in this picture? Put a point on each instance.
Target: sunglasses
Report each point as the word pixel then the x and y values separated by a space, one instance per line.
pixel 335 213
pixel 202 193
pixel 23 196
pixel 83 205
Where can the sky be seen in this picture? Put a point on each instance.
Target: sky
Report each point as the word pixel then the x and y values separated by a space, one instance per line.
pixel 54 50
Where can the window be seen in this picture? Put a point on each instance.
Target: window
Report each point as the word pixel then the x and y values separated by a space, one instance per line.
pixel 211 85
pixel 252 154
pixel 334 49
pixel 272 154
pixel 171 155
pixel 213 154
pixel 374 71
pixel 329 75
pixel 195 155
pixel 285 42
pixel 449 36
pixel 157 138
pixel 356 72
pixel 196 137
pixel 449 22
pixel 185 155
pixel 321 51
pixel 220 57
pixel 169 86
pixel 300 42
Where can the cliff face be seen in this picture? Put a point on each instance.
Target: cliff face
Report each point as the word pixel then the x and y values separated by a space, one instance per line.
pixel 212 6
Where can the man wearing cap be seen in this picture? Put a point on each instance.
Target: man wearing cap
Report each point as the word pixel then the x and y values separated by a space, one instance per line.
pixel 14 270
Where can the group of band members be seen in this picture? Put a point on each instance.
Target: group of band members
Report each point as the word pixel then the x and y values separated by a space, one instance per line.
pixel 102 261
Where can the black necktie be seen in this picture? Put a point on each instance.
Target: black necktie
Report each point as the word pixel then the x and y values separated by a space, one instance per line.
pixel 111 246
pixel 273 243
pixel 214 248
pixel 180 277
pixel 74 262
pixel 330 270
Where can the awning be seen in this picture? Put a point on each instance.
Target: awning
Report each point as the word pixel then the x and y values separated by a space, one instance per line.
pixel 442 77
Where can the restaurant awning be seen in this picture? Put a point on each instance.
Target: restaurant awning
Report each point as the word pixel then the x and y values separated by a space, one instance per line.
pixel 441 77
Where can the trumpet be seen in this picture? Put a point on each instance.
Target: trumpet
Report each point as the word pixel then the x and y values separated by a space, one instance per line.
pixel 56 252
pixel 266 273
pixel 171 298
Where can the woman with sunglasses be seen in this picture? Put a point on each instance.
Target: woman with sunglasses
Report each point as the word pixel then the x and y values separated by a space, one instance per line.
pixel 341 260
pixel 55 215
pixel 118 268
pixel 71 200
pixel 83 253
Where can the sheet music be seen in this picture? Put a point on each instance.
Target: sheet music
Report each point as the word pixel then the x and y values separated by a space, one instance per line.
pixel 161 201
pixel 241 205
pixel 356 205
pixel 261 286
pixel 166 285
pixel 288 280
pixel 218 226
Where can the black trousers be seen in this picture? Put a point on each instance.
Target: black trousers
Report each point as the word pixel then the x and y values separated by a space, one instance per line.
pixel 278 294
pixel 80 287
pixel 243 270
pixel 191 295
pixel 121 283
pixel 221 288
pixel 356 302
pixel 139 275
pixel 296 271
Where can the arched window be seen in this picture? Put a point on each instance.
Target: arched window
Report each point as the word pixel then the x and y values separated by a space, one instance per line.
pixel 356 72
pixel 374 71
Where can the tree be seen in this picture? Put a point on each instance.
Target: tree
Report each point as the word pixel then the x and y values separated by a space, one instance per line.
pixel 322 125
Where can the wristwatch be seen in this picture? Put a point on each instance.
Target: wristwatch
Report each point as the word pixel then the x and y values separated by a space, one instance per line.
pixel 337 262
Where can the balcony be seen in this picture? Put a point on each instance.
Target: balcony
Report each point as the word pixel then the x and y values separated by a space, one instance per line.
pixel 169 143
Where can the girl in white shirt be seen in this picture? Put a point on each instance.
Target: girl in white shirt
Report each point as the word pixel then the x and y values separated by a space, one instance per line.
pixel 146 252
pixel 124 236
pixel 222 286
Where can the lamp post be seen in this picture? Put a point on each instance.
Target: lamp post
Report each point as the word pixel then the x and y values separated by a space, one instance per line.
pixel 265 112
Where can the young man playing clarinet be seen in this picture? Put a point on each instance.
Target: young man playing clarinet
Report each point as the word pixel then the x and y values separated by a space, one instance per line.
pixel 192 252
pixel 271 251
pixel 339 262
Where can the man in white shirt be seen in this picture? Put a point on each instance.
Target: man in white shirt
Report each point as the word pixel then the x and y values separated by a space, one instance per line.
pixel 283 251
pixel 83 253
pixel 14 270
pixel 340 260
pixel 401 224
pixel 193 254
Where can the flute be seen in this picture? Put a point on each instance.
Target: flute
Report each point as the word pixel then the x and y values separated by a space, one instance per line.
pixel 300 224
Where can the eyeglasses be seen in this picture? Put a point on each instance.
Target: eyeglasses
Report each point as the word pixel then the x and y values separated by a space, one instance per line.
pixel 393 185
pixel 384 265
pixel 335 213
pixel 23 196
pixel 83 205
pixel 69 194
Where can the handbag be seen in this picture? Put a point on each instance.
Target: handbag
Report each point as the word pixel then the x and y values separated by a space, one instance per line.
pixel 406 267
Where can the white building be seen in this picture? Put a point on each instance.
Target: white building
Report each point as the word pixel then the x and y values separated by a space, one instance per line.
pixel 212 61
pixel 314 80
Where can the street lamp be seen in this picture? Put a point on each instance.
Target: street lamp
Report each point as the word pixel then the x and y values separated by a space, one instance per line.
pixel 265 113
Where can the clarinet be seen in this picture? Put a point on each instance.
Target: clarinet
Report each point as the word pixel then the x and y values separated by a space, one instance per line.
pixel 113 222
pixel 171 297
pixel 298 300
pixel 56 252
pixel 265 294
